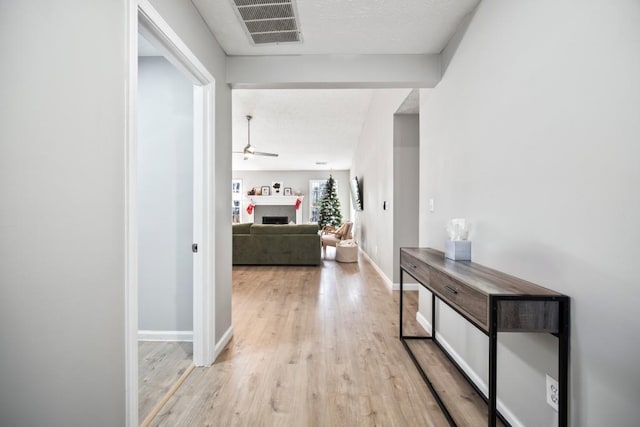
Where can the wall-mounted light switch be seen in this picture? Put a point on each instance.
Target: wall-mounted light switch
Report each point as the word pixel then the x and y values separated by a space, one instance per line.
pixel 432 205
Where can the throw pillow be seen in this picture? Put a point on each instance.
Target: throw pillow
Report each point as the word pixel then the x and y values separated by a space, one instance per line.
pixel 342 230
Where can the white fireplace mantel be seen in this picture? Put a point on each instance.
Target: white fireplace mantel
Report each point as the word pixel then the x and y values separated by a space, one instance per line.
pixel 276 201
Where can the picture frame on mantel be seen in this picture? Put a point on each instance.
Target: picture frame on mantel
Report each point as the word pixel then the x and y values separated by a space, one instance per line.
pixel 265 190
pixel 277 188
pixel 287 191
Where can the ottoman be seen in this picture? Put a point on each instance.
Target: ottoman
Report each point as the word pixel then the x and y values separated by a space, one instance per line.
pixel 347 251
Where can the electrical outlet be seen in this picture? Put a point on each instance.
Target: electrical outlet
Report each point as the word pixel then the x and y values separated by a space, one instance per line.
pixel 552 393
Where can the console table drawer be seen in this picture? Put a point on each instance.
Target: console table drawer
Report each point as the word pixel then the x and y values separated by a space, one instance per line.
pixel 465 299
pixel 418 269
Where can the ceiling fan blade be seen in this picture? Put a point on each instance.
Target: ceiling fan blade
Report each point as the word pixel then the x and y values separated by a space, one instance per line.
pixel 258 153
pixel 249 151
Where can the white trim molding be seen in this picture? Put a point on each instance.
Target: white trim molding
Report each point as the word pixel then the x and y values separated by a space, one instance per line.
pixel 392 286
pixel 406 286
pixel 204 231
pixel 142 17
pixel 378 270
pixel 168 336
pixel 425 323
pixel 222 343
pixel 130 221
pixel 473 375
pixel 155 28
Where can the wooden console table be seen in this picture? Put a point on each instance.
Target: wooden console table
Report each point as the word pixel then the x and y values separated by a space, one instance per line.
pixel 492 302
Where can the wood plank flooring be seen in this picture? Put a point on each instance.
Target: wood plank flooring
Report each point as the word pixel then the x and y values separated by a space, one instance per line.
pixel 465 406
pixel 160 365
pixel 313 347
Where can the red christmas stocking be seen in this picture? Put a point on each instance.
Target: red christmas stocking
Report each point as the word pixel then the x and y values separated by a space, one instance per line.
pixel 298 203
pixel 250 207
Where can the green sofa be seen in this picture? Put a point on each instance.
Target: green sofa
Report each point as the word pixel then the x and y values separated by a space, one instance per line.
pixel 262 244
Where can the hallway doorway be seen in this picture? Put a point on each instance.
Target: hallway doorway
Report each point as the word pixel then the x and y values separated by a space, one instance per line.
pixel 191 292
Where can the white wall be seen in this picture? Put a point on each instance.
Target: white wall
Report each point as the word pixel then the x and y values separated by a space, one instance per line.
pixel 62 168
pixel 373 165
pixel 62 335
pixel 406 186
pixel 333 71
pixel 298 181
pixel 165 197
pixel 532 135
pixel 188 24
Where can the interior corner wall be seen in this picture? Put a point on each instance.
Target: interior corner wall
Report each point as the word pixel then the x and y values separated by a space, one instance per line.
pixel 185 20
pixel 164 197
pixel 298 181
pixel 406 186
pixel 373 165
pixel 62 169
pixel 532 135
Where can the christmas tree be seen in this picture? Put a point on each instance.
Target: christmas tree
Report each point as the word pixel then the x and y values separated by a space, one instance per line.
pixel 329 205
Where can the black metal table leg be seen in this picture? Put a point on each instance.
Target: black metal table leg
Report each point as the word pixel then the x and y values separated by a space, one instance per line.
pixel 563 364
pixel 401 294
pixel 493 361
pixel 433 316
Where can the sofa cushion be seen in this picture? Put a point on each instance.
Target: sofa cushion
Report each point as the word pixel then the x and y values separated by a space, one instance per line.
pixel 244 228
pixel 276 249
pixel 284 229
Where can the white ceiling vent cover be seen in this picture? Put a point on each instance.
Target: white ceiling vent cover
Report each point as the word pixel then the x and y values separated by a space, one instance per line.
pixel 269 21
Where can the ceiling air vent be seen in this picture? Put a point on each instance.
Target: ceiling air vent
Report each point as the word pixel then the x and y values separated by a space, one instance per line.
pixel 269 21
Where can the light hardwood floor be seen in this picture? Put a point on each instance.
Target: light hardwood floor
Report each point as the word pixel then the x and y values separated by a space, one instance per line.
pixel 316 347
pixel 160 365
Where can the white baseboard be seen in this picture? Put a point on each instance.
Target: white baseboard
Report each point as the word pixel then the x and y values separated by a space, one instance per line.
pixel 422 321
pixel 222 343
pixel 173 336
pixel 479 382
pixel 184 336
pixel 387 281
pixel 383 276
pixel 406 286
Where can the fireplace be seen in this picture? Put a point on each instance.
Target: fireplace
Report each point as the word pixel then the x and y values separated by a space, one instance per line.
pixel 282 214
pixel 275 220
pixel 275 206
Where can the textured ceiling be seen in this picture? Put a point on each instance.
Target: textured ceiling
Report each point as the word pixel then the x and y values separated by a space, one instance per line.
pixel 309 126
pixel 302 126
pixel 348 26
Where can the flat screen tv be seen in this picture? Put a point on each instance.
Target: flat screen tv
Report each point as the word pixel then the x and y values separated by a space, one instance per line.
pixel 356 193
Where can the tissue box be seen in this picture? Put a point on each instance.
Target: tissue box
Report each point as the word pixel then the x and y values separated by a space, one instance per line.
pixel 458 250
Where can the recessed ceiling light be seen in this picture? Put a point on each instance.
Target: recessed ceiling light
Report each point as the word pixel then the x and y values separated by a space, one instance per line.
pixel 321 163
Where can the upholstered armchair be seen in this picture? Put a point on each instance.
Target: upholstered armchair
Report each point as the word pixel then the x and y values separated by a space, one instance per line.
pixel 331 235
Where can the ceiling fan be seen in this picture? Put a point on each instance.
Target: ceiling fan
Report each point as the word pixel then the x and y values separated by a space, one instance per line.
pixel 248 150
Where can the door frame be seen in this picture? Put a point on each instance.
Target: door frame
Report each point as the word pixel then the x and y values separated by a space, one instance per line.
pixel 143 17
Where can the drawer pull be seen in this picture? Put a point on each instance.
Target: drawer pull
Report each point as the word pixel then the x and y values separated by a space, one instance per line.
pixel 450 289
